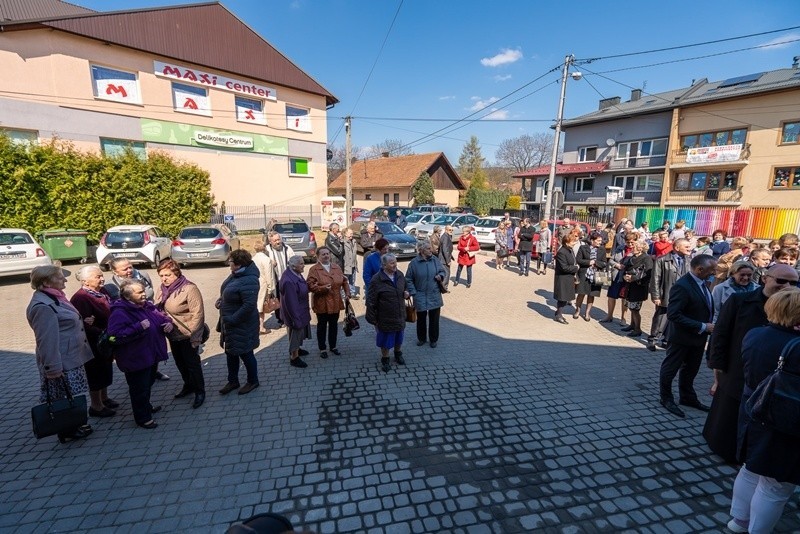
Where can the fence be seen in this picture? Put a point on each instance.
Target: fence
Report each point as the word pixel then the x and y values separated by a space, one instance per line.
pixel 256 217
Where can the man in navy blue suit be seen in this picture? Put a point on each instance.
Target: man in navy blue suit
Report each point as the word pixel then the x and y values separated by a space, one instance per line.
pixel 690 313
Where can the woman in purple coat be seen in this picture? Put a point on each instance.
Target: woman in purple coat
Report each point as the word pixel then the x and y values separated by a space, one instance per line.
pixel 138 329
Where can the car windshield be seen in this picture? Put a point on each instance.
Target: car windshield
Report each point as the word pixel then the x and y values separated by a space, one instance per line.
pixel 124 237
pixel 291 228
pixel 444 219
pixel 414 217
pixel 15 238
pixel 387 228
pixel 199 233
pixel 486 223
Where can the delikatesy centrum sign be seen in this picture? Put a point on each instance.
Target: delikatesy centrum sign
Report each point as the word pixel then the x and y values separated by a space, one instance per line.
pixel 223 140
pixel 189 75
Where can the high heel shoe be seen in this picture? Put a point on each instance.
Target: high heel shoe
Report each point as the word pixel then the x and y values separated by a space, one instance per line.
pixel 79 433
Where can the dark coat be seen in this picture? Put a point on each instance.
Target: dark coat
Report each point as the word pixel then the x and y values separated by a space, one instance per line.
pixel 336 246
pixel 740 314
pixel 583 258
pixel 368 241
pixel 137 347
pixel 640 268
pixel 386 306
pixel 566 269
pixel 526 234
pixel 446 249
pixel 239 311
pixel 295 311
pixel 89 305
pixel 665 274
pixel 687 312
pixel 766 452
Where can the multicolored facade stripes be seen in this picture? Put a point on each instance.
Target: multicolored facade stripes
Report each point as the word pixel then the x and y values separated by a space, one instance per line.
pixel 759 223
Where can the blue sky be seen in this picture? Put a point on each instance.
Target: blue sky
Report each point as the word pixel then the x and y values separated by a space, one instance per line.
pixel 446 59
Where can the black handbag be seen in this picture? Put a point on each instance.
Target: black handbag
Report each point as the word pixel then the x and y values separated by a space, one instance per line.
pixel 350 321
pixel 775 403
pixel 59 416
pixel 502 253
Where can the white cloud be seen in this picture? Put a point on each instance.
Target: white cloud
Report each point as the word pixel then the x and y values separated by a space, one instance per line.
pixel 505 57
pixel 497 114
pixel 447 97
pixel 502 78
pixel 480 104
pixel 780 42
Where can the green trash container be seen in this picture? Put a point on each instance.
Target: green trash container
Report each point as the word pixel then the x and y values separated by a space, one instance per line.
pixel 64 243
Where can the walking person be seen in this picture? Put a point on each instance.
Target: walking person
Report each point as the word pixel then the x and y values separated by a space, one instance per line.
pixel 666 271
pixel 297 313
pixel 446 252
pixel 424 277
pixel 351 262
pixel 543 247
pixel 468 248
pixel 327 285
pixel 564 281
pixel 591 258
pixel 525 239
pixel 386 310
pixel 238 320
pixel 181 300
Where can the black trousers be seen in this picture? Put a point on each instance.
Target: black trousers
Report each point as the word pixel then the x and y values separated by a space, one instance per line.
pixel 187 360
pixel 327 326
pixel 684 361
pixel 428 325
pixel 139 386
pixel 446 278
pixel 659 324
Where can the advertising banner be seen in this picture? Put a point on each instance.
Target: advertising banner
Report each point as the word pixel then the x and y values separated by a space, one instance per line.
pixel 175 133
pixel 713 154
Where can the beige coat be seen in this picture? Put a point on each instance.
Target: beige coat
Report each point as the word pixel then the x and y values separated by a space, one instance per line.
pixel 324 300
pixel 266 279
pixel 187 312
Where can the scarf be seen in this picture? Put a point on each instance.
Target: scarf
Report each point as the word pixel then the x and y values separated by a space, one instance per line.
pixel 96 294
pixel 174 287
pixel 60 297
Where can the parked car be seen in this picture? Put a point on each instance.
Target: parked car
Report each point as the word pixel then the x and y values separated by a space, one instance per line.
pixel 401 244
pixel 19 252
pixel 393 211
pixel 141 244
pixel 485 229
pixel 554 230
pixel 296 234
pixel 413 220
pixel 441 209
pixel 363 216
pixel 204 243
pixel 462 209
pixel 356 212
pixel 453 219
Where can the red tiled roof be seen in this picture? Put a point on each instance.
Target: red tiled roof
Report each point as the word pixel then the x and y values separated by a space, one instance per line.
pixel 401 171
pixel 566 168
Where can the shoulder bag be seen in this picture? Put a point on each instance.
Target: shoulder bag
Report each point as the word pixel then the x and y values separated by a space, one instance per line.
pixel 271 303
pixel 775 403
pixel 411 311
pixel 350 320
pixel 59 416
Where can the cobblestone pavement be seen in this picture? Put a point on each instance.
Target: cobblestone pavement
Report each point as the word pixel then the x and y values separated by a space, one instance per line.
pixel 514 423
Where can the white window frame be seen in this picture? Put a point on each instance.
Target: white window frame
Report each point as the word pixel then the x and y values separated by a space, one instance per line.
pixel 129 86
pixel 190 111
pixel 260 116
pixel 582 153
pixel 627 144
pixel 582 181
pixel 298 123
pixel 298 175
pixel 621 180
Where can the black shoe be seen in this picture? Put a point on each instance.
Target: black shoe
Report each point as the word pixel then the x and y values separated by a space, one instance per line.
pixel 80 433
pixel 230 386
pixel 297 362
pixel 635 333
pixel 673 408
pixel 697 405
pixel 111 403
pixel 455 283
pixel 336 352
pixel 663 345
pixel 469 286
pixel 626 328
pixel 150 425
pixel 433 344
pixel 398 357
pixel 560 319
pixel 385 367
pixel 155 409
pixel 302 352
pixel 420 342
pixel 162 376
pixel 185 391
pixel 105 412
pixel 199 399
pixel 247 388
pixel 323 354
pixel 526 273
pixel 651 346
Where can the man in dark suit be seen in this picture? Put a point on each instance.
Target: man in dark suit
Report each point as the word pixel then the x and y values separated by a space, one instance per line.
pixel 666 271
pixel 690 312
pixel 446 251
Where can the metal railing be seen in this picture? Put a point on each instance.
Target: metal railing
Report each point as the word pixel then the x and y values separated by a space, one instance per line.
pixel 705 195
pixel 248 218
pixel 637 163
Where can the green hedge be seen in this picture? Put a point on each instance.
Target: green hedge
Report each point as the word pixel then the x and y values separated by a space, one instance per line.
pixel 483 200
pixel 53 185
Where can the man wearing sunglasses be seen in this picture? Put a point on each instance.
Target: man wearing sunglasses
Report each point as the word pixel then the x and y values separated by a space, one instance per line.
pixel 741 313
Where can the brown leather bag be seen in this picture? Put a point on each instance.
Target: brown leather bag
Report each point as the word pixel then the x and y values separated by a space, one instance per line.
pixel 411 311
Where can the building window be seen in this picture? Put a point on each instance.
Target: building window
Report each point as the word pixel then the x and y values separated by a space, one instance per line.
pixel 790 133
pixel 397 199
pixel 720 138
pixel 298 119
pixel 21 137
pixel 587 153
pixel 386 199
pixel 368 196
pixel 786 178
pixel 703 181
pixel 584 185
pixel 250 111
pixel 191 99
pixel 642 149
pixel 299 167
pixel 116 85
pixel 117 147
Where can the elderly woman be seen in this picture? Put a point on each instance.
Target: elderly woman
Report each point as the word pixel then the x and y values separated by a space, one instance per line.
pixel 740 280
pixel 386 310
pixel 543 246
pixel 591 258
pixel 566 270
pixel 350 261
pixel 238 321
pixel 638 270
pixel 468 248
pixel 771 458
pixel 138 329
pixel 265 283
pixel 719 243
pixel 617 273
pixel 94 305
pixel 501 245
pixel 181 300
pixel 294 291
pixel 61 345
pixel 328 286
pixel 727 260
pixel 436 239
pixel 424 279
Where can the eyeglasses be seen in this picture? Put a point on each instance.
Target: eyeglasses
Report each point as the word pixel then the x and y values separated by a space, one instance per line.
pixel 782 281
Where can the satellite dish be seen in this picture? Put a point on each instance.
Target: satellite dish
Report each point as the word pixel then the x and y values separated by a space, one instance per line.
pixel 610 141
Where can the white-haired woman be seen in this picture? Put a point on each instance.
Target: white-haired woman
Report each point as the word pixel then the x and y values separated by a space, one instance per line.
pixel 386 310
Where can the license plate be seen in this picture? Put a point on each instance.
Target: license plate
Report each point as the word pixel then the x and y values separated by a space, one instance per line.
pixel 125 255
pixel 14 256
pixel 293 239
pixel 199 255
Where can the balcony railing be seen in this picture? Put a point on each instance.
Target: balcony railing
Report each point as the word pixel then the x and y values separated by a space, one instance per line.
pixel 706 195
pixel 637 163
pixel 629 197
pixel 717 155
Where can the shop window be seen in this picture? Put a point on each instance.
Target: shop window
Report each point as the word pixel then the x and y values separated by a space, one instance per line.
pixel 191 99
pixel 21 137
pixel 584 185
pixel 790 133
pixel 116 85
pixel 786 178
pixel 250 111
pixel 299 167
pixel 298 119
pixel 587 153
pixel 117 147
pixel 717 138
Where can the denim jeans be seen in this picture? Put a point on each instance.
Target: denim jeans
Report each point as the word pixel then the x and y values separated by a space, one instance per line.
pixel 524 261
pixel 249 360
pixel 469 273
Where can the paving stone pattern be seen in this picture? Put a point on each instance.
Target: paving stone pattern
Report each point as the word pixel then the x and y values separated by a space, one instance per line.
pixel 512 424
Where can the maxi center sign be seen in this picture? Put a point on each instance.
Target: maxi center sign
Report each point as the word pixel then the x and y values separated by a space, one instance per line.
pixel 198 77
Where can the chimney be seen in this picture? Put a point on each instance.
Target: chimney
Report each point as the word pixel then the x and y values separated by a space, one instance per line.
pixel 795 62
pixel 636 94
pixel 384 154
pixel 608 102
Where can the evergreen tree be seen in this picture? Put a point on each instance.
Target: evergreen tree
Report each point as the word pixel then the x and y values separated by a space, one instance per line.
pixel 470 164
pixel 422 190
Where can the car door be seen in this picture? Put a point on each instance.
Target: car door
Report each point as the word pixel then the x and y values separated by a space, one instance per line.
pixel 163 242
pixel 232 237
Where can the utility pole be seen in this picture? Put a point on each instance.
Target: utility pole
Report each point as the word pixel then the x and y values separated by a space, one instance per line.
pixel 551 184
pixel 348 204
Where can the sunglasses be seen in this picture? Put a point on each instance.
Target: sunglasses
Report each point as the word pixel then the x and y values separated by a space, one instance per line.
pixel 783 281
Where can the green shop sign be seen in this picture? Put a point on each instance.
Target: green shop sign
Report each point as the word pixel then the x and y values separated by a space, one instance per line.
pixel 176 133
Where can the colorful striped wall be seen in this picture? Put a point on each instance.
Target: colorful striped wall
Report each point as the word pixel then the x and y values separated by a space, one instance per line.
pixel 759 223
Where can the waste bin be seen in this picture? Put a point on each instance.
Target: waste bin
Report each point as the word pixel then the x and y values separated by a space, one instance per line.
pixel 64 243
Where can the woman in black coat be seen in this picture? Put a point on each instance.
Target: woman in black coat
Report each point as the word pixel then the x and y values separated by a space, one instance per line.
pixel 386 310
pixel 566 269
pixel 638 269
pixel 771 458
pixel 591 255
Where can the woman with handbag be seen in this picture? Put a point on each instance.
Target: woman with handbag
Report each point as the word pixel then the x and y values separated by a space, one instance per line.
pixel 425 281
pixel 638 269
pixel 61 345
pixel 328 286
pixel 350 262
pixel 500 245
pixel 181 300
pixel 543 247
pixel 771 458
pixel 617 289
pixel 591 259
pixel 468 248
pixel 386 310
pixel 564 281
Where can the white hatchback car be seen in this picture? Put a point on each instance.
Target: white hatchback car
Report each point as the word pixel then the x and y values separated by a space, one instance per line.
pixel 141 243
pixel 485 229
pixel 19 252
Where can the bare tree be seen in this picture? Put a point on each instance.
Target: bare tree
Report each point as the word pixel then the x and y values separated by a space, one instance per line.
pixel 525 152
pixel 337 164
pixel 395 147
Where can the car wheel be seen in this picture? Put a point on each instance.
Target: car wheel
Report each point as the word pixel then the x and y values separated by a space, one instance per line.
pixel 156 260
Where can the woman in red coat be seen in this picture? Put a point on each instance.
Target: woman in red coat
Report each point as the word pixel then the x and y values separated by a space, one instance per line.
pixel 468 248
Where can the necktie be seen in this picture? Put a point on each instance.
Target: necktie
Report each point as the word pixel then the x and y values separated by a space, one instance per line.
pixel 707 295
